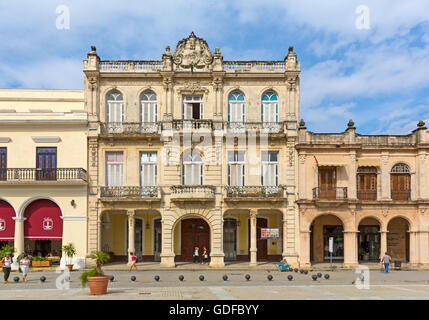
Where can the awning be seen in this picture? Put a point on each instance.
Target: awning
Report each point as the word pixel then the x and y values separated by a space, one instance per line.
pixel 330 161
pixel 368 162
pixel 43 221
pixel 7 224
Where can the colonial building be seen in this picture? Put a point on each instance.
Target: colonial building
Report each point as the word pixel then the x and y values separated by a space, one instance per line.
pixel 369 193
pixel 192 151
pixel 43 184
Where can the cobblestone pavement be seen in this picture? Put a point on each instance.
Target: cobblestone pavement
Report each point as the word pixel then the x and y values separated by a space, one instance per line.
pixel 340 285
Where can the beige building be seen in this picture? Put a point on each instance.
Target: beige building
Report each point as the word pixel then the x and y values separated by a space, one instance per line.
pixel 370 194
pixel 193 151
pixel 43 184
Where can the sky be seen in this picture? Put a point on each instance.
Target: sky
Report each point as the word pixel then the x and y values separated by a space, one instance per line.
pixel 366 60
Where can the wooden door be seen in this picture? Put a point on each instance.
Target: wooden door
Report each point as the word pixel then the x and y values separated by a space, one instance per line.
pixel 3 164
pixel 401 186
pixel 327 183
pixel 195 233
pixel 261 244
pixel 367 186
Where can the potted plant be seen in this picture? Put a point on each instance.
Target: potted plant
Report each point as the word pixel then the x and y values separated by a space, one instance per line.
pixel 70 251
pixel 98 282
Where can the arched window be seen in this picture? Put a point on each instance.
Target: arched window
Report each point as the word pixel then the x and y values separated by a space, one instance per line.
pixel 401 182
pixel 115 107
pixel 148 107
pixel 192 169
pixel 367 183
pixel 236 107
pixel 270 107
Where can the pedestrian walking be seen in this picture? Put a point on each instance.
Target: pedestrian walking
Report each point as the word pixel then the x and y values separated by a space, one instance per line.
pixel 7 265
pixel 133 262
pixel 386 260
pixel 196 255
pixel 205 256
pixel 25 266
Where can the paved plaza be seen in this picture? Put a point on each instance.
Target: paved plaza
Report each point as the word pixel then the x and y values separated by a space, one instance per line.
pixel 342 284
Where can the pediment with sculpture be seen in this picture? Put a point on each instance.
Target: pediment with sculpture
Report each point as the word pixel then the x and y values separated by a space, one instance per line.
pixel 191 54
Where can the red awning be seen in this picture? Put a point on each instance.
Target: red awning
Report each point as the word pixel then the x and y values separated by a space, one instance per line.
pixel 43 221
pixel 7 224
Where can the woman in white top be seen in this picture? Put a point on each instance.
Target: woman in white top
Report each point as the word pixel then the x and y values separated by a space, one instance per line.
pixel 25 265
pixel 7 264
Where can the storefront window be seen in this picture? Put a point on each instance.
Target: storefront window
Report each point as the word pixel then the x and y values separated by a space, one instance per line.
pixel 337 233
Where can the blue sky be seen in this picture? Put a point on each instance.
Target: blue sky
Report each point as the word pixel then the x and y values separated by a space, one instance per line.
pixel 379 76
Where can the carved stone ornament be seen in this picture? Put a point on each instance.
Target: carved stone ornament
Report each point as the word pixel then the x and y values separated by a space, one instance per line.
pixel 385 212
pixel 192 53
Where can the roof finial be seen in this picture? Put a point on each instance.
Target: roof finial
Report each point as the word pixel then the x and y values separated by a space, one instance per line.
pixel 351 124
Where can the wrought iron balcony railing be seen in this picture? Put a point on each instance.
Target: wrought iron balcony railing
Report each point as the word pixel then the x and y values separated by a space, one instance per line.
pixel 330 193
pixel 192 124
pixel 192 192
pixel 262 127
pixel 36 174
pixel 129 192
pixel 254 191
pixel 130 128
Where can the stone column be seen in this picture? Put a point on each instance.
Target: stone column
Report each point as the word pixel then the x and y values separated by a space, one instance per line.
pixel 19 236
pixel 414 252
pixel 302 177
pixel 131 232
pixel 352 176
pixel 167 249
pixel 350 249
pixel 383 243
pixel 304 254
pixel 253 235
pixel 18 241
pixel 413 185
pixel 385 177
pixel 99 231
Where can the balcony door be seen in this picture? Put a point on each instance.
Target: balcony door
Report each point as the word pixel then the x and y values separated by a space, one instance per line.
pixel 367 183
pixel 114 169
pixel 192 107
pixel 236 168
pixel 270 169
pixel 401 182
pixel 115 112
pixel 327 182
pixel 46 163
pixel 3 164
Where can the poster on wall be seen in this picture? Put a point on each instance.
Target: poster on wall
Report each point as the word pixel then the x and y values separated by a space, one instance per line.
pixel 270 233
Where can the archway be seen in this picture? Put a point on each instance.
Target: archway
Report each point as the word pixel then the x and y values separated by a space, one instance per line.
pixel 369 240
pixel 7 224
pixel 398 239
pixel 43 228
pixel 325 227
pixel 194 232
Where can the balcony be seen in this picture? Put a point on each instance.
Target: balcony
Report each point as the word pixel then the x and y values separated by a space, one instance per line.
pixel 196 192
pixel 367 194
pixel 43 176
pixel 404 195
pixel 130 193
pixel 332 193
pixel 192 124
pixel 255 192
pixel 130 128
pixel 261 127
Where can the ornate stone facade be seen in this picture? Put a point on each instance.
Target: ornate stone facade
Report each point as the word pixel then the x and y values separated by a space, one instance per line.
pixel 192 90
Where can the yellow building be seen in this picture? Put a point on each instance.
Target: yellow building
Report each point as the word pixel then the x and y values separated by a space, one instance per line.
pixel 43 179
pixel 193 151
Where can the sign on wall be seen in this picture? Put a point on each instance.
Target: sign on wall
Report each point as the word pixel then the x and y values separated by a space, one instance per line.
pixel 270 233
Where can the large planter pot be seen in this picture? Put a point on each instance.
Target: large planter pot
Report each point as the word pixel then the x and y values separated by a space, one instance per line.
pixel 70 267
pixel 98 285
